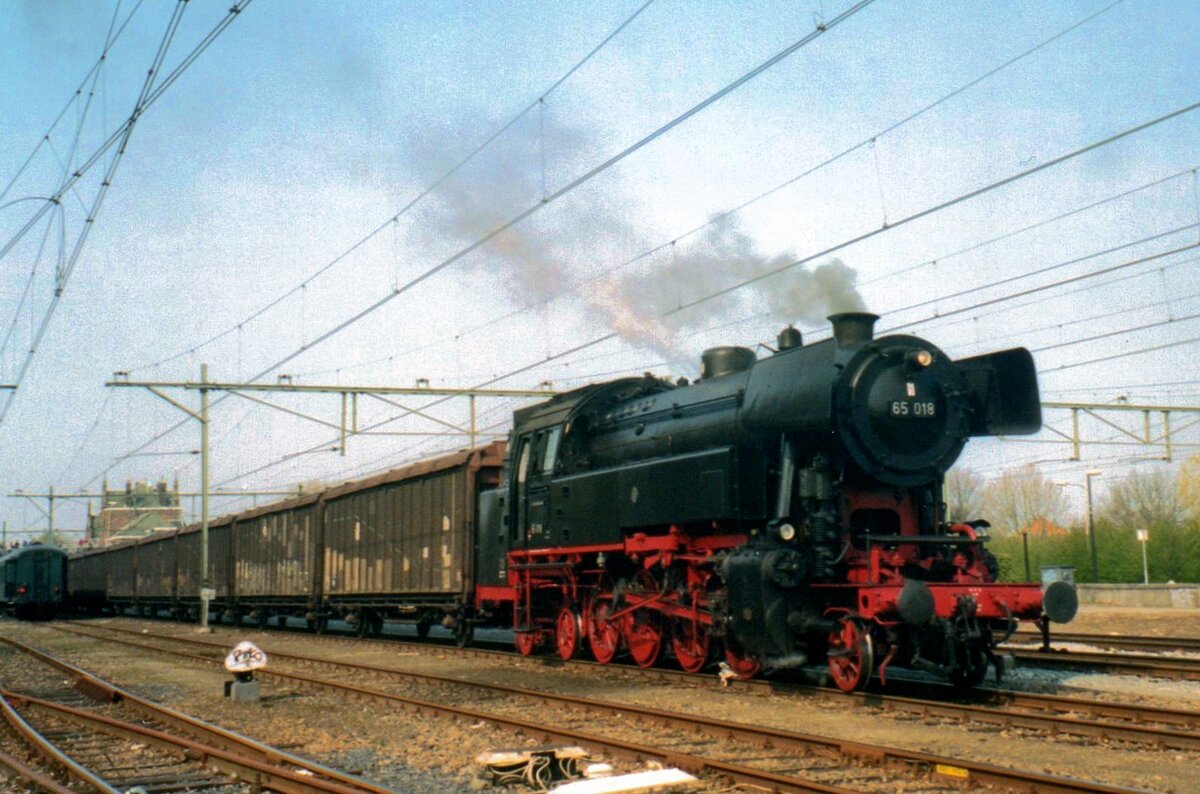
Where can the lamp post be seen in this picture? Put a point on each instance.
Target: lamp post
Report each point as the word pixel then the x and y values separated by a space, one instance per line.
pixel 1143 535
pixel 1025 543
pixel 1091 522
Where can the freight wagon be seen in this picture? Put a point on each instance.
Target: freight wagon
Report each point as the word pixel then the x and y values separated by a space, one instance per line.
pixel 396 546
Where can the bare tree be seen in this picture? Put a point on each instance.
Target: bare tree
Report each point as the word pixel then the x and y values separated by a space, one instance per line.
pixel 964 495
pixel 1143 499
pixel 1189 486
pixel 1017 498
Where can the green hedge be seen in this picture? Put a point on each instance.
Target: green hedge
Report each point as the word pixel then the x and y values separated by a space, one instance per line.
pixel 1173 553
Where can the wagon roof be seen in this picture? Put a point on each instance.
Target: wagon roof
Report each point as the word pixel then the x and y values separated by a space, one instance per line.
pixel 492 454
pixel 23 550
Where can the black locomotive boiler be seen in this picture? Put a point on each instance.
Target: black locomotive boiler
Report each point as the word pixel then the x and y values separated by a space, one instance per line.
pixel 775 512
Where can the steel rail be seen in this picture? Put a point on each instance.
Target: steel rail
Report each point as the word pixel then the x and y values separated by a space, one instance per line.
pixel 33 776
pixel 879 755
pixel 1133 641
pixel 1132 725
pixel 1179 668
pixel 50 752
pixel 1131 728
pixel 244 768
pixel 221 738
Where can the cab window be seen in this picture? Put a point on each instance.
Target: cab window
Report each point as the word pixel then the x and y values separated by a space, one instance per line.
pixel 550 451
pixel 523 462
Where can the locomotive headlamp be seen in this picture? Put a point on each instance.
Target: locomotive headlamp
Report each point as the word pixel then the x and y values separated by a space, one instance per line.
pixel 919 359
pixel 787 532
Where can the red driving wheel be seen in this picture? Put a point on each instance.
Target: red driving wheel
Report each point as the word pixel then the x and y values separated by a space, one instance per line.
pixel 604 636
pixel 851 655
pixel 644 635
pixel 689 641
pixel 568 633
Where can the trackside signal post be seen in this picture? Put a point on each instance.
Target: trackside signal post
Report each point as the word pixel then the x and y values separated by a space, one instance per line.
pixel 348 426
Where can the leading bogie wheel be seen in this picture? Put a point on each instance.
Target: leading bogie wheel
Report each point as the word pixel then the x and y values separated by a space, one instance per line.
pixel 972 668
pixel 568 633
pixel 742 667
pixel 526 641
pixel 851 654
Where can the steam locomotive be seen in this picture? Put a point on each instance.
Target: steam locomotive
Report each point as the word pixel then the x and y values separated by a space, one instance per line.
pixel 777 512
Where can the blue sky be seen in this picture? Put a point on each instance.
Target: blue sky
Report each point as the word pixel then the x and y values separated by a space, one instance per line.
pixel 306 125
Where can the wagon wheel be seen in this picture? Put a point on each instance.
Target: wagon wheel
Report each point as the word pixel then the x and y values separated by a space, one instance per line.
pixel 423 625
pixel 362 623
pixel 464 632
pixel 851 655
pixel 527 642
pixel 568 633
pixel 604 637
pixel 689 641
pixel 318 625
pixel 742 667
pixel 281 621
pixel 263 617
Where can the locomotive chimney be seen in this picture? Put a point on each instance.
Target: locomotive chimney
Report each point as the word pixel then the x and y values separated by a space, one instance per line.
pixel 717 362
pixel 788 338
pixel 853 329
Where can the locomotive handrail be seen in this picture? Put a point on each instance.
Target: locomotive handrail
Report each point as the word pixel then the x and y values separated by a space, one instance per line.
pixel 929 539
pixel 531 566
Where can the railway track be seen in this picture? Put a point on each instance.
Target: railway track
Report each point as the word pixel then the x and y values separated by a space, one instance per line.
pixel 1143 643
pixel 1174 667
pixel 80 729
pixel 1024 646
pixel 363 680
pixel 1156 726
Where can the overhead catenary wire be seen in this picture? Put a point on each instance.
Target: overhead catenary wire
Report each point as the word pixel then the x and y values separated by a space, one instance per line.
pixel 1096 285
pixel 111 41
pixel 724 215
pixel 538 206
pixel 1071 155
pixel 151 91
pixel 938 207
pixel 1038 224
pixel 1043 287
pixel 538 103
pixel 65 268
pixel 117 135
